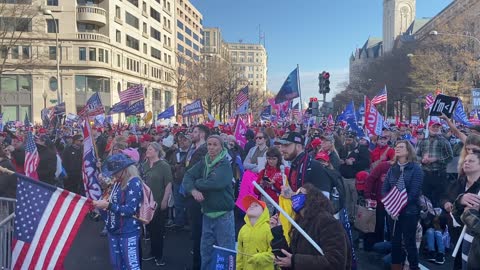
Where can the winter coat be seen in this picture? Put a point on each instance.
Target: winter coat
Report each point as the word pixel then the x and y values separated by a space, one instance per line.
pixel 275 175
pixel 18 160
pixel 178 164
pixel 374 182
pixel 251 161
pixel 216 187
pixel 413 176
pixel 48 164
pixel 384 152
pixel 255 240
pixel 72 161
pixel 471 218
pixel 8 183
pixel 362 162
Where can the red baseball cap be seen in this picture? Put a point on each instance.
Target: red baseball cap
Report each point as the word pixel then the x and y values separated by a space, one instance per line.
pixel 316 142
pixel 434 122
pixel 249 199
pixel 323 156
pixel 361 180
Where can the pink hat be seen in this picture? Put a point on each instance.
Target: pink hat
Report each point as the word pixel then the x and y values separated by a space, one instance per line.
pixel 132 153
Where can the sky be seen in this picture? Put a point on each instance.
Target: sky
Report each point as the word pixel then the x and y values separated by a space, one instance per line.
pixel 317 35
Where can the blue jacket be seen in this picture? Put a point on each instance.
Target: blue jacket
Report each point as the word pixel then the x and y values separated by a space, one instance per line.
pixel 413 176
pixel 124 204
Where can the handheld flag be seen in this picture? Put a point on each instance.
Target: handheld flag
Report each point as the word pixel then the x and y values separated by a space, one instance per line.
pixel 169 112
pixel 118 107
pixel 381 97
pixel 290 88
pixel 89 166
pixel 429 99
pixel 136 108
pixel 93 106
pixel 396 198
pixel 31 157
pixel 460 115
pixel 132 93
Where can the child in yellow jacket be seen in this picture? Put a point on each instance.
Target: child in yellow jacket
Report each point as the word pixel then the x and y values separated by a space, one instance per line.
pixel 254 251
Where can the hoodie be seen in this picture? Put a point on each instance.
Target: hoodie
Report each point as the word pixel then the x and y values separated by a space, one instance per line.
pixel 255 240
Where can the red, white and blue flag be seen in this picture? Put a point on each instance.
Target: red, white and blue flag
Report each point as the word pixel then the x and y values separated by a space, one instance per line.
pixel 296 114
pixel 93 106
pixel 132 93
pixel 429 99
pixel 47 220
pixel 89 167
pixel 31 157
pixel 381 97
pixel 374 121
pixel 242 101
pixel 396 199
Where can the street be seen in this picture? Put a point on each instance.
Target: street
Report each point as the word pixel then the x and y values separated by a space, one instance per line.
pixel 90 251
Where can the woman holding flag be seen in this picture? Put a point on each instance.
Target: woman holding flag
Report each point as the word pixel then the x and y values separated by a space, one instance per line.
pixel 401 190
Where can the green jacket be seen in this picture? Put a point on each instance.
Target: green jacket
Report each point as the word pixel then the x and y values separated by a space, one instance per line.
pixel 217 187
pixel 157 178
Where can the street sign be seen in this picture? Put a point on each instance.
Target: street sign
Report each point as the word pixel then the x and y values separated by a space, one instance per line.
pixel 444 104
pixel 475 98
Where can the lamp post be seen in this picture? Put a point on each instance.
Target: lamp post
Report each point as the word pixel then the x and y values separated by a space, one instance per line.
pixel 48 12
pixel 44 95
pixel 436 33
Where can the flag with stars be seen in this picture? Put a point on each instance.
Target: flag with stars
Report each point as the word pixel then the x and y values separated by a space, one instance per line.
pixel 31 157
pixel 46 222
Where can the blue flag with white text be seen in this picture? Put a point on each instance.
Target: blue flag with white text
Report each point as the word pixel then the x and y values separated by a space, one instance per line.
pixel 460 115
pixel 289 89
pixel 169 112
pixel 136 108
pixel 349 115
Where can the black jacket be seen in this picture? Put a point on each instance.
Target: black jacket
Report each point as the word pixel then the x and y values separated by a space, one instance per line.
pixel 315 173
pixel 362 162
pixel 197 156
pixel 8 183
pixel 47 165
pixel 72 161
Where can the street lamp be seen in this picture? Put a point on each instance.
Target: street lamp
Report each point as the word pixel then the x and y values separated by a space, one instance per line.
pixel 48 12
pixel 44 95
pixel 436 33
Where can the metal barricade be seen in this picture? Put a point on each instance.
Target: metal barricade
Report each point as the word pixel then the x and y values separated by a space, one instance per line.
pixel 7 209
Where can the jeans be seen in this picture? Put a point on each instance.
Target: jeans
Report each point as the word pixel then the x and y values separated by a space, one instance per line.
pixel 405 228
pixel 434 186
pixel 195 216
pixel 218 231
pixel 351 197
pixel 433 237
pixel 124 251
pixel 179 201
pixel 156 228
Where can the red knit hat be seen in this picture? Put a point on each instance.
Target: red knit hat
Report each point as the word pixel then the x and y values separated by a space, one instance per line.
pixel 361 180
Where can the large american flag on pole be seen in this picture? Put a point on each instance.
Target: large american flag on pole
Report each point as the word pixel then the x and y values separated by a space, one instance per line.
pixel 381 97
pixel 46 222
pixel 132 93
pixel 242 97
pixel 396 199
pixel 31 157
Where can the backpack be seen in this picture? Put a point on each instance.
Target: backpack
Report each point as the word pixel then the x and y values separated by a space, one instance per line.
pixel 148 206
pixel 337 183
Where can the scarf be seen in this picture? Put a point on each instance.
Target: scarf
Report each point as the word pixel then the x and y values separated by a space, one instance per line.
pixel 210 164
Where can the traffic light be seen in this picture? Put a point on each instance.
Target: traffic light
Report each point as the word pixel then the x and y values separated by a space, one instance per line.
pixel 313 106
pixel 326 82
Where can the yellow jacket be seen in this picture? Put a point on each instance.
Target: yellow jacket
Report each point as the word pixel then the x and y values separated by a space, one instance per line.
pixel 254 251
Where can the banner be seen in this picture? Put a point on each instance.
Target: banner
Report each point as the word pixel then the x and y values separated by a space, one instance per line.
pixel 224 259
pixel 193 108
pixel 89 166
pixel 119 107
pixel 475 98
pixel 246 188
pixel 136 108
pixel 240 131
pixel 444 104
pixel 373 119
pixel 460 115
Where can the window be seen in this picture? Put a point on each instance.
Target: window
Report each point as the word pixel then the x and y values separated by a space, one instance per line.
pixel 14 52
pixel 3 52
pixel 26 52
pixel 118 36
pixel 52 52
pixel 119 60
pixel 157 54
pixel 11 24
pixel 170 59
pixel 188 31
pixel 145 28
pixel 132 42
pixel 144 6
pixel 92 84
pixel 118 12
pixel 188 52
pixel 188 42
pixel 180 48
pixel 195 36
pixel 92 54
pixel 51 26
pixel 155 14
pixel 101 55
pixel 52 2
pixel 168 99
pixel 155 34
pixel 87 27
pixel 179 24
pixel 133 2
pixel 195 47
pixel 179 36
pixel 82 54
pixel 106 56
pixel 131 20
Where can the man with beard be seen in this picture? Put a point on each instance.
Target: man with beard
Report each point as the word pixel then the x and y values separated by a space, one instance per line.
pixel 355 158
pixel 435 152
pixel 197 152
pixel 72 162
pixel 304 169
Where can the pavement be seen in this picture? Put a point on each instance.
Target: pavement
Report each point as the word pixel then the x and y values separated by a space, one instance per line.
pixel 90 252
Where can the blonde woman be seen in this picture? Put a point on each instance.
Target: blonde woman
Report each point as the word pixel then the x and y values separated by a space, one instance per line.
pixel 122 205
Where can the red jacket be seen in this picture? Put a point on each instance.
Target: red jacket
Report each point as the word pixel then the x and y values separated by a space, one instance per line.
pixel 374 182
pixel 378 152
pixel 275 175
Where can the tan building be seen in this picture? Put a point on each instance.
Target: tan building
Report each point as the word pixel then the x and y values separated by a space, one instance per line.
pixel 189 44
pixel 104 46
pixel 251 61
pixel 214 45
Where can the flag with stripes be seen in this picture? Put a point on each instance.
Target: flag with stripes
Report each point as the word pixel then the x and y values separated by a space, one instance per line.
pixel 46 222
pixel 296 114
pixel 89 165
pixel 381 97
pixel 93 106
pixel 396 198
pixel 429 99
pixel 31 157
pixel 132 93
pixel 242 97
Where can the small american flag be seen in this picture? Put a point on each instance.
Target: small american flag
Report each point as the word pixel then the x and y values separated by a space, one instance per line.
pixel 381 97
pixel 396 199
pixel 296 111
pixel 429 101
pixel 31 157
pixel 133 93
pixel 242 97
pixel 46 222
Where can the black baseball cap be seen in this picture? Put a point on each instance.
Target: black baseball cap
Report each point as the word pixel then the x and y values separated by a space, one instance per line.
pixel 475 128
pixel 292 137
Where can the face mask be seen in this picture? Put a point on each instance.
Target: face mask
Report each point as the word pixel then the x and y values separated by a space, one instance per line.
pixel 298 202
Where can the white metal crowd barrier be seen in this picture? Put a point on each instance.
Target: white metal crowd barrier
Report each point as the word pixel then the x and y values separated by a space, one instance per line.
pixel 7 209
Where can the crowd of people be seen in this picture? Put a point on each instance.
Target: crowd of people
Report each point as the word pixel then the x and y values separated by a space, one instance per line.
pixel 314 173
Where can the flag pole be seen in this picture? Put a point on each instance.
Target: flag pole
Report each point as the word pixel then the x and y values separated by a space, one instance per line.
pixel 386 103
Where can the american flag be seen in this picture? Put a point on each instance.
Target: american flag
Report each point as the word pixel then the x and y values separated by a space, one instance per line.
pixel 381 97
pixel 429 99
pixel 46 222
pixel 133 93
pixel 396 198
pixel 296 111
pixel 93 107
pixel 242 97
pixel 31 157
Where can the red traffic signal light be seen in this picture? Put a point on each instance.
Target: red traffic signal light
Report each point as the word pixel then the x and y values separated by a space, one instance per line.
pixel 313 99
pixel 326 75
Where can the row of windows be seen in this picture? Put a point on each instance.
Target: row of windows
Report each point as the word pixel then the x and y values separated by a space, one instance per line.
pixel 15 83
pixel 11 24
pixel 92 84
pixel 132 20
pixel 133 65
pixel 135 43
pixel 188 42
pixel 249 60
pixel 16 52
pixel 92 54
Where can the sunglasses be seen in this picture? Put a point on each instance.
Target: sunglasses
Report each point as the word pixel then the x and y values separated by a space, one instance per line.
pixel 259 138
